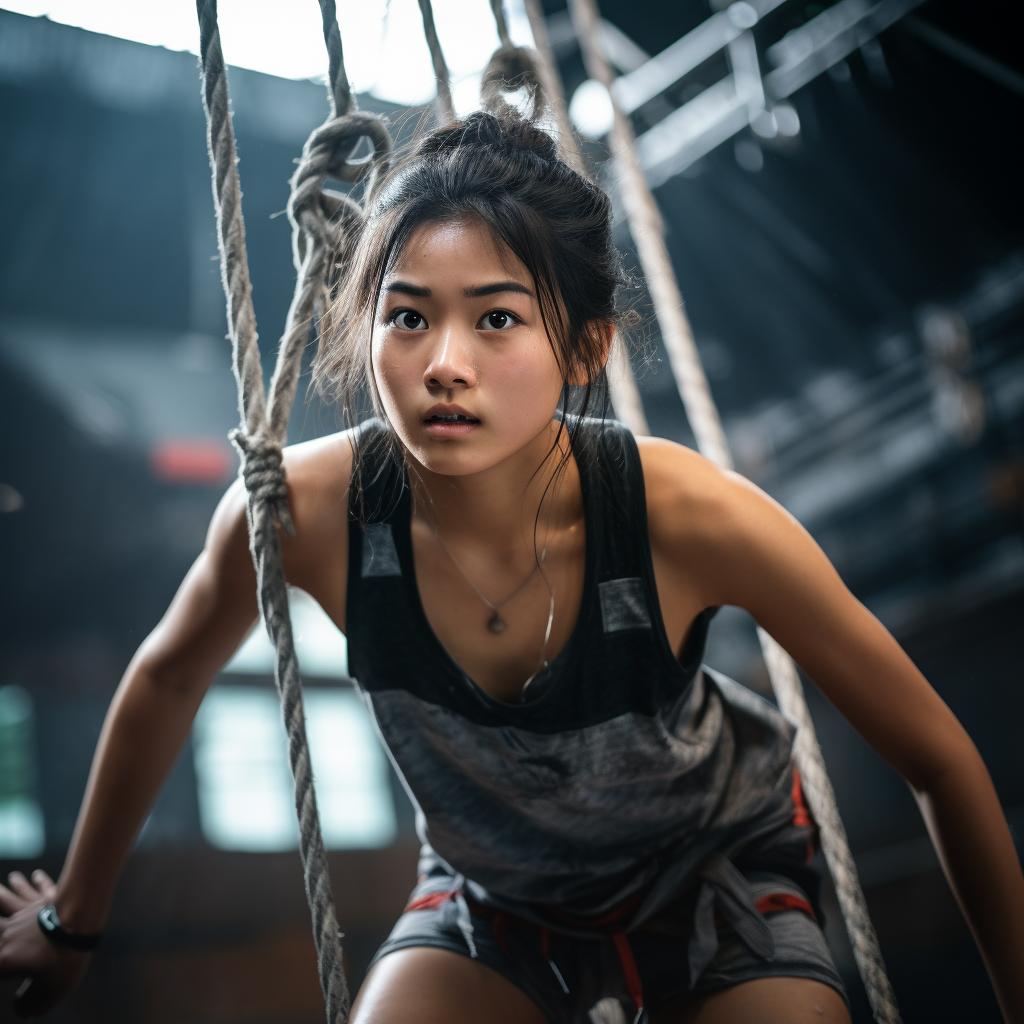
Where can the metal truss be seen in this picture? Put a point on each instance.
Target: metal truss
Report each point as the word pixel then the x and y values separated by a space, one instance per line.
pixel 686 133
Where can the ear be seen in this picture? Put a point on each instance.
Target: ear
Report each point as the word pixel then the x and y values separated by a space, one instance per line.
pixel 604 332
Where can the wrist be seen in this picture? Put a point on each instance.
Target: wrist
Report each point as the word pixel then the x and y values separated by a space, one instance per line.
pixel 77 915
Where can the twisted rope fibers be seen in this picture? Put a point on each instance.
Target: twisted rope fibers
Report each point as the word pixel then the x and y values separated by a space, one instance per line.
pixel 322 229
pixel 821 799
pixel 446 109
pixel 498 10
pixel 339 91
pixel 648 234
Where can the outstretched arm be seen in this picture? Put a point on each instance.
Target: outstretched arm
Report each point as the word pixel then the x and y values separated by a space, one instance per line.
pixel 145 728
pixel 740 547
pixel 152 711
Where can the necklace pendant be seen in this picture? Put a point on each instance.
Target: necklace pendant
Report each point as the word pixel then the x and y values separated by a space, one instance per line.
pixel 496 624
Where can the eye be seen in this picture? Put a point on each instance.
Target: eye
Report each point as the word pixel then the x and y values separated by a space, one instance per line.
pixel 407 320
pixel 499 320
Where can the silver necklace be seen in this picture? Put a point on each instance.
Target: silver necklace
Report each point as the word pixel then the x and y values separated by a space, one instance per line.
pixel 496 624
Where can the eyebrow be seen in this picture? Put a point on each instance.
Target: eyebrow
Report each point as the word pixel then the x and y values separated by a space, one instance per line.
pixel 408 289
pixel 471 293
pixel 497 288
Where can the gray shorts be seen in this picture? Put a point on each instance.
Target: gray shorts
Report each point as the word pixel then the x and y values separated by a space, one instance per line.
pixel 566 975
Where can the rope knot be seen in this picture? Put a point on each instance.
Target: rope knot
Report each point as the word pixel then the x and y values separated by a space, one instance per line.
pixel 262 472
pixel 511 69
pixel 324 216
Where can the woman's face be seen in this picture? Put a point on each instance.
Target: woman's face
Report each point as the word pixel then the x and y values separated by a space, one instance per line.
pixel 463 365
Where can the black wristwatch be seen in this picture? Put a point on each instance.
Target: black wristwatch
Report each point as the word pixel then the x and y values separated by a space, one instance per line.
pixel 50 926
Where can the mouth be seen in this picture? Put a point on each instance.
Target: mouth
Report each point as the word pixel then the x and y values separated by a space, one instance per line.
pixel 455 417
pixel 449 421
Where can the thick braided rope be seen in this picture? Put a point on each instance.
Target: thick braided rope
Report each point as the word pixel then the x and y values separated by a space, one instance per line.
pixel 648 234
pixel 267 494
pixel 445 107
pixel 822 801
pixel 338 88
pixel 322 224
pixel 227 198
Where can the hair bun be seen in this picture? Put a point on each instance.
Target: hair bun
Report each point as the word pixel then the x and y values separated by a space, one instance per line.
pixel 507 134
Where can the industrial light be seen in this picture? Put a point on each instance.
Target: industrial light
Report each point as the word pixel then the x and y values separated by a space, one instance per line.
pixel 591 109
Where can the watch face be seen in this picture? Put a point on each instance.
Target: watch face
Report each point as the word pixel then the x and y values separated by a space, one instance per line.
pixel 47 918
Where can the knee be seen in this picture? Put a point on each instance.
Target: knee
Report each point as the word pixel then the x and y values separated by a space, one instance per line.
pixel 424 985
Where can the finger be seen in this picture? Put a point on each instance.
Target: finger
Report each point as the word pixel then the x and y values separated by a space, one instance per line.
pixel 44 884
pixel 22 886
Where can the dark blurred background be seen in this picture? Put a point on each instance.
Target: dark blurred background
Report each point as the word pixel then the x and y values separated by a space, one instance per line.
pixel 852 260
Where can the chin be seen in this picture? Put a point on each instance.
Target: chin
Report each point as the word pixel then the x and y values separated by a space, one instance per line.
pixel 468 455
pixel 455 458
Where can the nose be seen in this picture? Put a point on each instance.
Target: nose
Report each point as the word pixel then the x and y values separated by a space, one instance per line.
pixel 451 364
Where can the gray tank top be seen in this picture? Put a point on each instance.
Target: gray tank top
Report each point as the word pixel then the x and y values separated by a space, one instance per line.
pixel 623 769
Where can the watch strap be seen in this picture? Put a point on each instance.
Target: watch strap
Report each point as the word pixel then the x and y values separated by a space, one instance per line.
pixel 50 926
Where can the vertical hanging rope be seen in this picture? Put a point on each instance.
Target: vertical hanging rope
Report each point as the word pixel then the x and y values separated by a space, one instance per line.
pixel 549 78
pixel 446 109
pixel 498 10
pixel 648 234
pixel 625 395
pixel 822 800
pixel 339 91
pixel 322 225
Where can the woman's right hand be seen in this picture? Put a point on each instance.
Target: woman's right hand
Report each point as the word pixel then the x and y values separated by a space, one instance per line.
pixel 151 714
pixel 49 971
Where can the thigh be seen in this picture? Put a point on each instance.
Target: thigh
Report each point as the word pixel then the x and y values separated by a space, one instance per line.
pixel 423 985
pixel 761 1001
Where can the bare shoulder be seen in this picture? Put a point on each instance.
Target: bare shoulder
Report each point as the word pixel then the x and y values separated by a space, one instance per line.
pixel 316 556
pixel 318 475
pixel 711 526
pixel 690 499
pixel 717 539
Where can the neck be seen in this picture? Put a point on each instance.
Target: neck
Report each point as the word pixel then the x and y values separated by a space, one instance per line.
pixel 499 506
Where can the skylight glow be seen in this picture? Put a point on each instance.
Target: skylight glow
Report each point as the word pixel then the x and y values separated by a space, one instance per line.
pixel 244 783
pixel 21 819
pixel 385 52
pixel 319 644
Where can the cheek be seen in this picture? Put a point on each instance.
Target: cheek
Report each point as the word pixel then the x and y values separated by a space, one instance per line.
pixel 392 373
pixel 532 376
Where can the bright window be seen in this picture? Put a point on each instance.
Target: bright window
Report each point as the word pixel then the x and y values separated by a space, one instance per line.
pixel 245 788
pixel 21 819
pixel 319 644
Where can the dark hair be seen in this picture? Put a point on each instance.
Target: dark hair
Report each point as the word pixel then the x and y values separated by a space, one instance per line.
pixel 505 173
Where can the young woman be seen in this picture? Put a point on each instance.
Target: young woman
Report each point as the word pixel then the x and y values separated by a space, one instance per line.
pixel 526 595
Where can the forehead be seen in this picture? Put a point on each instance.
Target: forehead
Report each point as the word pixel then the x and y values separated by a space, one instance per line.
pixel 463 249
